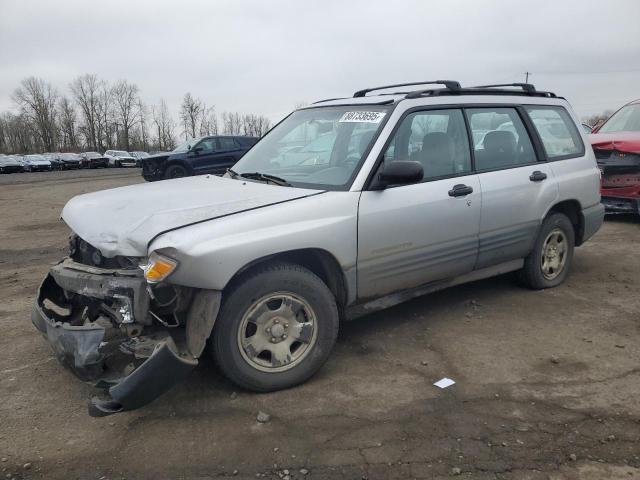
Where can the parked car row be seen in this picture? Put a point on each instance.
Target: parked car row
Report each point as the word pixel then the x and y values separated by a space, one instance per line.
pixel 67 161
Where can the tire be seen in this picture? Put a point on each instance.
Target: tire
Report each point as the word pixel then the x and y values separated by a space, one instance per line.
pixel 535 274
pixel 175 171
pixel 258 371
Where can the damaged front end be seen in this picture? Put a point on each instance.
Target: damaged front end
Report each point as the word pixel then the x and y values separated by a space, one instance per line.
pixel 620 183
pixel 111 328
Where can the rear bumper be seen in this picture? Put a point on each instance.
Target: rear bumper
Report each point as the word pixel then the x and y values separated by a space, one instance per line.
pixel 593 218
pixel 613 204
pixel 133 369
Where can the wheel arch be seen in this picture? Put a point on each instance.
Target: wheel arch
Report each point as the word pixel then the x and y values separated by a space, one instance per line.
pixel 317 260
pixel 573 210
pixel 180 162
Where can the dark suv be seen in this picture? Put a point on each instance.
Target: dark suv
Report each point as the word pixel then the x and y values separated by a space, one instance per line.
pixel 196 157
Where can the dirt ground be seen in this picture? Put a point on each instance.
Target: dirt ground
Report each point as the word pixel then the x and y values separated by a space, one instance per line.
pixel 547 383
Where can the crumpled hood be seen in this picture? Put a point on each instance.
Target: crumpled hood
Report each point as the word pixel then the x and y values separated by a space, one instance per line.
pixel 122 221
pixel 621 141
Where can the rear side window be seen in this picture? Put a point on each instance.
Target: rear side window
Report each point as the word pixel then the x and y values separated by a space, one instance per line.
pixel 226 143
pixel 557 131
pixel 500 139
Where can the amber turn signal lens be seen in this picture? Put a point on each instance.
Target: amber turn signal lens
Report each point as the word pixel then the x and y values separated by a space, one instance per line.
pixel 159 268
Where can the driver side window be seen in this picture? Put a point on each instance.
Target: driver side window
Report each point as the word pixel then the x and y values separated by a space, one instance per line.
pixel 208 145
pixel 435 138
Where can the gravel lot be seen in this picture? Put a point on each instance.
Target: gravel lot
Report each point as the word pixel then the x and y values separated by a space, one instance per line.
pixel 548 383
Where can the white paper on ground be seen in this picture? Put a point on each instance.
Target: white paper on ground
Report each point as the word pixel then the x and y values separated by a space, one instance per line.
pixel 444 383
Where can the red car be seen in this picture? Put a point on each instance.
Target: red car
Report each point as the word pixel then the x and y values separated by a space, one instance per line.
pixel 616 144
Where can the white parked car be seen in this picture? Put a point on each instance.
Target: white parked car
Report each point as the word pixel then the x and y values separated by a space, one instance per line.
pixel 120 158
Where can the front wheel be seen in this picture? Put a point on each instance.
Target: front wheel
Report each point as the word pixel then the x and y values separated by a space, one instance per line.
pixel 548 264
pixel 175 171
pixel 276 328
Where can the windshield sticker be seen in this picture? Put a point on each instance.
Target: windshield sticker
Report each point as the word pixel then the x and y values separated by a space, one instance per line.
pixel 364 117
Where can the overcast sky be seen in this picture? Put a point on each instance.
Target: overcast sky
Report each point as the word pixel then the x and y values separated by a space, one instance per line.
pixel 266 56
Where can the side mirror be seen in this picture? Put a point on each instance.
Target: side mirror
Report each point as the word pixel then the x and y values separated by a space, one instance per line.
pixel 399 172
pixel 196 150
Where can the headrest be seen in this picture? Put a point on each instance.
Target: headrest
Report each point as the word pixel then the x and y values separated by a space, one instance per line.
pixel 500 141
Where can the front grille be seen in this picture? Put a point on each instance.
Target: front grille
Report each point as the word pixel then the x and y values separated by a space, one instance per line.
pixel 82 252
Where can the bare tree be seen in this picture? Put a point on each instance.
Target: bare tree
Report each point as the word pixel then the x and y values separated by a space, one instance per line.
pixel 209 123
pixel 37 101
pixel 143 127
pixel 86 93
pixel 125 96
pixel 191 113
pixel 231 123
pixel 165 126
pixel 68 120
pixel 255 125
pixel 17 134
pixel 104 123
pixel 598 119
pixel 100 116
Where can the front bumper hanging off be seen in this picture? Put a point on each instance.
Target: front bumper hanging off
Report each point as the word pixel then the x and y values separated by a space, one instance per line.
pixel 620 204
pixel 134 369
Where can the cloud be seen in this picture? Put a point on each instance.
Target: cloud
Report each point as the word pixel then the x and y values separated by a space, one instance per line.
pixel 264 57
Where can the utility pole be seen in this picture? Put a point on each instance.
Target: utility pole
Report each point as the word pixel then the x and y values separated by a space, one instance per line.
pixel 526 77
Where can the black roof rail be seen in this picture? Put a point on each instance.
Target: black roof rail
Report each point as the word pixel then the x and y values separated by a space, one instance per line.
pixel 449 84
pixel 527 87
pixel 327 100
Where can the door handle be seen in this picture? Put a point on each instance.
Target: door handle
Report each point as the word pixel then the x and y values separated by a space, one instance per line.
pixel 538 176
pixel 460 190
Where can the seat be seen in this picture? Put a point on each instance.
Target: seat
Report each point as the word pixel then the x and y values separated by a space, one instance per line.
pixel 499 150
pixel 437 155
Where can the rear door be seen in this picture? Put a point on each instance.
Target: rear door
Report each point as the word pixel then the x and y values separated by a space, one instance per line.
pixel 229 152
pixel 517 187
pixel 415 234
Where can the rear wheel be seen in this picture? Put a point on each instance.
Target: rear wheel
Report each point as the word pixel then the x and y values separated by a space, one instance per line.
pixel 276 328
pixel 176 171
pixel 549 262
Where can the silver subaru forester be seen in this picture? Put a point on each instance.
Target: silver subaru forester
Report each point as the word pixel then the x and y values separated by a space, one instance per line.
pixel 346 206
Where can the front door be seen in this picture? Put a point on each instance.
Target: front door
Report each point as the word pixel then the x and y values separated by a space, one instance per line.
pixel 203 155
pixel 415 234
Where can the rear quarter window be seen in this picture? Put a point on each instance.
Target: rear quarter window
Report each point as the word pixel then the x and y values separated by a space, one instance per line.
pixel 558 132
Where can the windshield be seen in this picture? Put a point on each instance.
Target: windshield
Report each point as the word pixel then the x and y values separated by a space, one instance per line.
pixel 120 153
pixel 627 119
pixel 186 146
pixel 318 147
pixel 37 158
